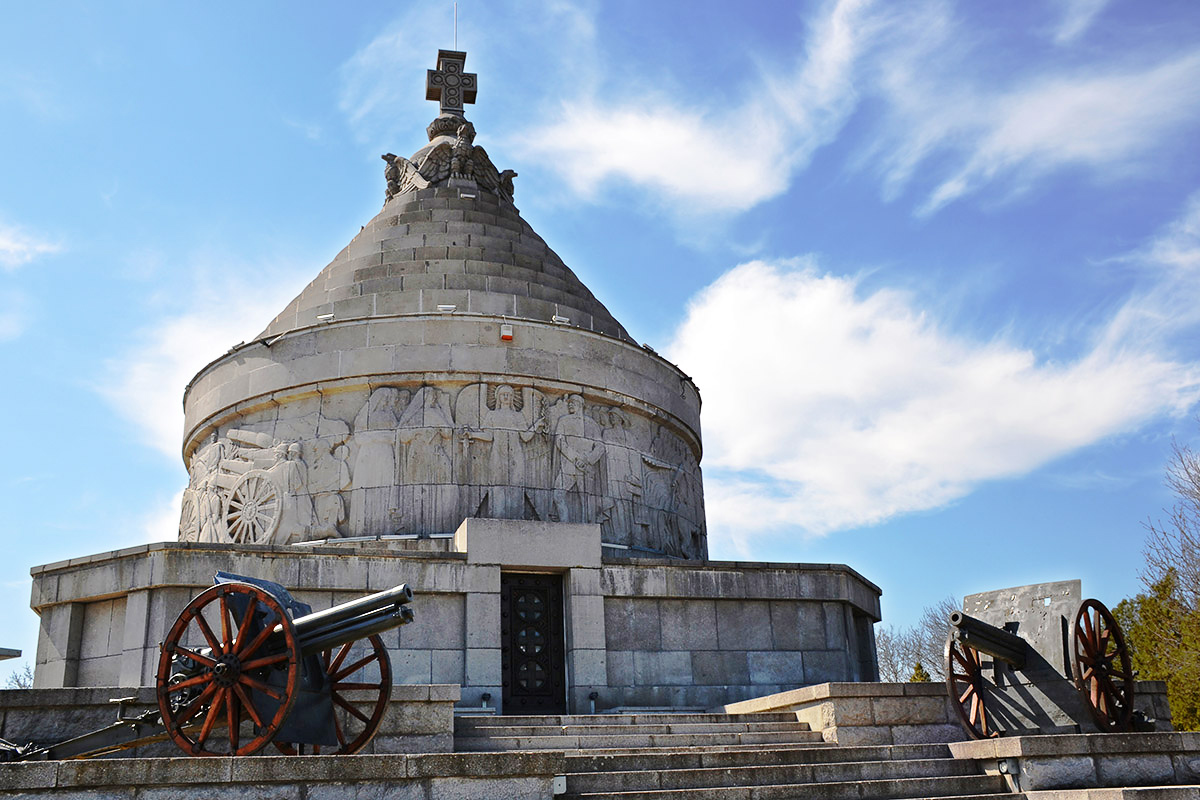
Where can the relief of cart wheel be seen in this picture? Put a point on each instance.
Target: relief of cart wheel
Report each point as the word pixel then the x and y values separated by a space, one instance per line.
pixel 253 508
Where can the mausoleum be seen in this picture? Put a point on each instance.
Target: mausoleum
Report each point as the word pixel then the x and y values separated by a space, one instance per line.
pixel 447 405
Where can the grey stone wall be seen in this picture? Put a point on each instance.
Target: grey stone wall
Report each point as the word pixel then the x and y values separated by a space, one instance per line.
pixel 419 718
pixel 639 632
pixel 699 636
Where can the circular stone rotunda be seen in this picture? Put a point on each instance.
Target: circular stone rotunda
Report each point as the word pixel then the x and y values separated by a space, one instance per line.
pixel 447 405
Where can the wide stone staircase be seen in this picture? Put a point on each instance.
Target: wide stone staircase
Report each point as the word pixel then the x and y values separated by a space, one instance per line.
pixel 698 756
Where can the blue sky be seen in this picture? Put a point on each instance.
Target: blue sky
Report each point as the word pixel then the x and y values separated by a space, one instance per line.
pixel 933 265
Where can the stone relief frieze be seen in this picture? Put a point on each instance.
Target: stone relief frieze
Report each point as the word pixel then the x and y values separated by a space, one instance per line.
pixel 247 487
pixel 419 459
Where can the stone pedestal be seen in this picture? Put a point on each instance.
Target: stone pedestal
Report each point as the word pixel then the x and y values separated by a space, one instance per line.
pixel 638 632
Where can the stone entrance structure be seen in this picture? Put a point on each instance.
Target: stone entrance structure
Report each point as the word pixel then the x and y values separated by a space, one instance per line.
pixel 447 405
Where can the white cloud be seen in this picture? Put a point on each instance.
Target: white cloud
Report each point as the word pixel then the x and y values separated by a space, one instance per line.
pixel 946 107
pixel 161 523
pixel 876 411
pixel 1077 17
pixel 1168 302
pixel 18 247
pixel 14 314
pixel 145 384
pixel 1100 121
pixel 727 159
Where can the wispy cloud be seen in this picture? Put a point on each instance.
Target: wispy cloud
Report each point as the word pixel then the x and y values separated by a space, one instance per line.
pixel 18 246
pixel 1104 122
pixel 309 130
pixel 945 103
pixel 145 383
pixel 878 411
pixel 1077 17
pixel 1167 303
pixel 699 153
pixel 14 314
pixel 374 105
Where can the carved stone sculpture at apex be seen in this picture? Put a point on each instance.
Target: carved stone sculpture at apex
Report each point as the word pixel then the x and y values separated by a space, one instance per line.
pixel 458 158
pixel 451 155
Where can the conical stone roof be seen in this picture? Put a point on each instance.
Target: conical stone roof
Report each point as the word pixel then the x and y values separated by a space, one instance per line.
pixel 443 247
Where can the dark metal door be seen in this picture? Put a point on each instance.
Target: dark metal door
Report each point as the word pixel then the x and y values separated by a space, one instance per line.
pixel 531 641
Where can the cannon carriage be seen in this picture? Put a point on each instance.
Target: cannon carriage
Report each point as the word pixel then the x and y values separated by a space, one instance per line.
pixel 245 665
pixel 1038 659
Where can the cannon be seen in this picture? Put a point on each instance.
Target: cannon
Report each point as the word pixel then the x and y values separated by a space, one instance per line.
pixel 246 665
pixel 1019 667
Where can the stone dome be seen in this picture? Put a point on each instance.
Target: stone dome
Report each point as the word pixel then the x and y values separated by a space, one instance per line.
pixel 445 365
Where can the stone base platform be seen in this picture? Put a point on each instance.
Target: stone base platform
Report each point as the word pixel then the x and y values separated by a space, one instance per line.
pixel 438 776
pixel 1088 761
pixel 900 713
pixel 635 632
pixel 419 719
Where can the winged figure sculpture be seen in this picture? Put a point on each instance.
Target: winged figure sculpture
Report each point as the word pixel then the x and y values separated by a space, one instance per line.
pixel 459 158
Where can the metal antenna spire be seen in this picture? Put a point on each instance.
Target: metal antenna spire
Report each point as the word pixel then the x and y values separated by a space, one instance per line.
pixel 456 26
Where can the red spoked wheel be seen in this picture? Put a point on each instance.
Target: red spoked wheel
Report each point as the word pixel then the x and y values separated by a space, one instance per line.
pixel 357 680
pixel 968 689
pixel 231 661
pixel 1101 665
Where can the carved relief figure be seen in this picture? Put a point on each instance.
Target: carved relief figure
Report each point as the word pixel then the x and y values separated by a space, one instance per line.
pixel 624 482
pixel 578 449
pixel 296 507
pixel 506 429
pixel 374 470
pixel 439 437
pixel 329 476
pixel 426 436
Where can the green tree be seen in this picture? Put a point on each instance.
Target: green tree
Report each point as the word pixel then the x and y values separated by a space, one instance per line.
pixel 1162 624
pixel 920 674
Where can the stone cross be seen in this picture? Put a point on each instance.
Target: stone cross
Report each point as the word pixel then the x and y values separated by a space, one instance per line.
pixel 448 84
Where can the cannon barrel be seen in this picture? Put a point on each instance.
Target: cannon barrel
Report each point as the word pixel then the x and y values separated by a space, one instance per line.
pixel 348 622
pixel 397 595
pixel 996 642
pixel 358 628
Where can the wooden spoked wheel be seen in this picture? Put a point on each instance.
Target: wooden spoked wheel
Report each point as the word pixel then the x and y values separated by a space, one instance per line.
pixel 253 508
pixel 231 661
pixel 358 681
pixel 1103 673
pixel 968 689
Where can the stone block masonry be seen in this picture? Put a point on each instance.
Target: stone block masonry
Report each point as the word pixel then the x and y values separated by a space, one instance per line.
pixel 638 632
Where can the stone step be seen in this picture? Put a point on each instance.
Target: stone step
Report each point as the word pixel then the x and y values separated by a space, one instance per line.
pixel 1190 792
pixel 774 774
pixel 699 748
pixel 637 729
pixel 895 789
pixel 763 755
pixel 471 722
pixel 467 744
